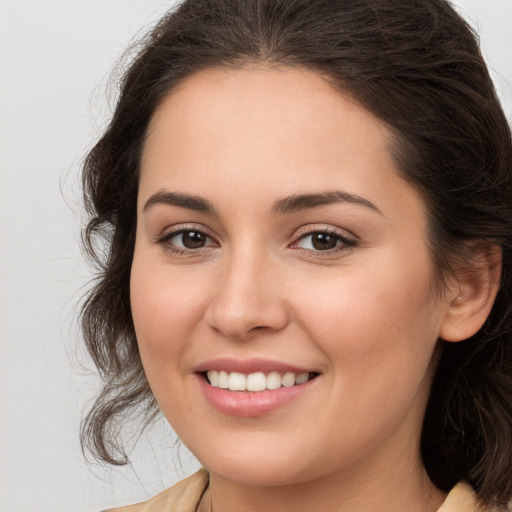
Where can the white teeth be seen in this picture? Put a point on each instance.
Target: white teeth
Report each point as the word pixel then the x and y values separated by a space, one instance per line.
pixel 237 381
pixel 301 378
pixel 255 382
pixel 273 380
pixel 288 379
pixel 213 377
pixel 223 380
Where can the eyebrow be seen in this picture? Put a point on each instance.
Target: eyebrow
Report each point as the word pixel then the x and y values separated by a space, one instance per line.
pixel 287 205
pixel 300 202
pixel 188 201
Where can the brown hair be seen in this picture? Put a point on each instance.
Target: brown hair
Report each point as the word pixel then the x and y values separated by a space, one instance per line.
pixel 415 65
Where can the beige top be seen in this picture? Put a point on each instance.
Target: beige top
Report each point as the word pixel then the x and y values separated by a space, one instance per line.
pixel 186 494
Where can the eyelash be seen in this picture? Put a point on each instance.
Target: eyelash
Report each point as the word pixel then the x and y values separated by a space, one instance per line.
pixel 165 241
pixel 345 242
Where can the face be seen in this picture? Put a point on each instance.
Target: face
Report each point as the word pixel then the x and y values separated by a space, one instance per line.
pixel 282 288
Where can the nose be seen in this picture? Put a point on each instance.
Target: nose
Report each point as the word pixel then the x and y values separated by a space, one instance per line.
pixel 248 298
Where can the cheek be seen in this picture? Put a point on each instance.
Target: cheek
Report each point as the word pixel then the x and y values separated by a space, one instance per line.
pixel 379 338
pixel 372 321
pixel 165 310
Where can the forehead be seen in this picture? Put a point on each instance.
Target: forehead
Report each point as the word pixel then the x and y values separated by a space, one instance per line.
pixel 290 103
pixel 264 130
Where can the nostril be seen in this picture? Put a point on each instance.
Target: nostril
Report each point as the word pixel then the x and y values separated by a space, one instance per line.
pixel 258 327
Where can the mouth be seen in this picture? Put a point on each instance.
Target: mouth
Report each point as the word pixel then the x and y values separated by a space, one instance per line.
pixel 254 387
pixel 257 381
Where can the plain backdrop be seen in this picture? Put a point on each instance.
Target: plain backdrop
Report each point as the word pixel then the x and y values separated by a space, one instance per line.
pixel 55 60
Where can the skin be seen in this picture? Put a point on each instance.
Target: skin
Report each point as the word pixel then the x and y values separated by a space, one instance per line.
pixel 363 315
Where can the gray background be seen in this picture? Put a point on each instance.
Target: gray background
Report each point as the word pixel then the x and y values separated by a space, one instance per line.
pixel 55 59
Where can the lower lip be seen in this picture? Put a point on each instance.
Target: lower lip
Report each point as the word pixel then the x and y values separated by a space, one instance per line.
pixel 247 404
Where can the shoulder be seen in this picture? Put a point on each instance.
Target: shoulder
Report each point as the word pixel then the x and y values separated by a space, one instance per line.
pixel 181 497
pixel 462 498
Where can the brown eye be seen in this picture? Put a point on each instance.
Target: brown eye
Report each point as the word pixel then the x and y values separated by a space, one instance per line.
pixel 323 241
pixel 193 239
pixel 186 240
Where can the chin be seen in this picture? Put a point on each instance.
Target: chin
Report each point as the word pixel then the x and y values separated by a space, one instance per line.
pixel 264 463
pixel 258 473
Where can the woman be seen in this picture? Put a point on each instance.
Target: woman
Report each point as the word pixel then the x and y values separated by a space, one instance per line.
pixel 308 211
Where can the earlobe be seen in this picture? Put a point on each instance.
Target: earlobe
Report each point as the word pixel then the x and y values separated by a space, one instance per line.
pixel 472 296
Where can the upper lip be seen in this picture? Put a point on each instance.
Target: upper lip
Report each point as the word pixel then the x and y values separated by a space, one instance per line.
pixel 248 366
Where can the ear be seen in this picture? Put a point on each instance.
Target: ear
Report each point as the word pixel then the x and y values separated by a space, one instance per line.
pixel 472 293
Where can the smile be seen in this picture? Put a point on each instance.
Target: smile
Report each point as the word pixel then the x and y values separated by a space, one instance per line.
pixel 258 381
pixel 254 387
